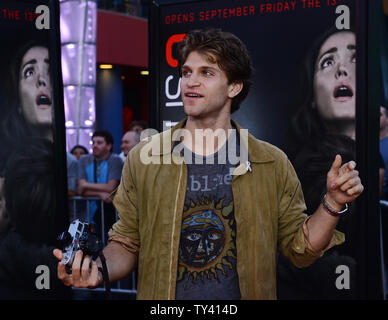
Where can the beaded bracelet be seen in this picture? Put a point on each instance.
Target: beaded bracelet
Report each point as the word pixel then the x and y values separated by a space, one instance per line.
pixel 330 210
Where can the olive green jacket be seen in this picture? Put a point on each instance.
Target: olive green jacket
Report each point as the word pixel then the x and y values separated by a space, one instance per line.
pixel 268 208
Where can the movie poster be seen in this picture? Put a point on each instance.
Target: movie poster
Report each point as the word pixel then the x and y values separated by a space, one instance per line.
pixel 32 153
pixel 303 100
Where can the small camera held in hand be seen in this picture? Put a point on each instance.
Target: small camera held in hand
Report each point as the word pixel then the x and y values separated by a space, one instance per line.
pixel 79 237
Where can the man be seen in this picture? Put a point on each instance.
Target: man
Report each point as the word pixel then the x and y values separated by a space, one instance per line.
pixel 129 140
pixel 211 231
pixel 99 174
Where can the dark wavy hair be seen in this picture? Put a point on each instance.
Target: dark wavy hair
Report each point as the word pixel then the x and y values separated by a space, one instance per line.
pixel 307 124
pixel 225 49
pixel 311 147
pixel 29 189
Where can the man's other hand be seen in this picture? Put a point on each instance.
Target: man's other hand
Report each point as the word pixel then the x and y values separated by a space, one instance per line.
pixel 84 272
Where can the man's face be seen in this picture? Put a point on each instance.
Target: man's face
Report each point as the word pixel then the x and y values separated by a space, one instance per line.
pixel 204 87
pixel 101 149
pixel 35 87
pixel 128 142
pixel 335 77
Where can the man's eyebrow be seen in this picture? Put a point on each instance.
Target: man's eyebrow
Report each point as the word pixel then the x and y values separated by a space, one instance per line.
pixel 351 47
pixel 205 67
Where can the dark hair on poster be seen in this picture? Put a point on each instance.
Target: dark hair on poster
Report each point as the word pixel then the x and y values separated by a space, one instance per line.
pixel 30 156
pixel 323 123
pixel 29 193
pixel 320 129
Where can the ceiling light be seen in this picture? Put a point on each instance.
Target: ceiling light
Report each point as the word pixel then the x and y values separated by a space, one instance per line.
pixel 106 66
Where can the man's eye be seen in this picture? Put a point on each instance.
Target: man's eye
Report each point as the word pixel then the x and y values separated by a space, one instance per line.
pixel 207 73
pixel 185 73
pixel 353 58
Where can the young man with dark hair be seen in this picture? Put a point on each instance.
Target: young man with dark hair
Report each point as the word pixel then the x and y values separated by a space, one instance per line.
pixel 200 229
pixel 99 174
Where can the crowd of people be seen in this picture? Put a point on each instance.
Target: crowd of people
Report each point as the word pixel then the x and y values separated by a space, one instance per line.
pixel 97 174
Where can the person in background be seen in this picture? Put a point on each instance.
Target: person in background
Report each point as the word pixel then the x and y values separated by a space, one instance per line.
pixel 129 140
pixel 78 151
pixel 138 126
pixel 98 175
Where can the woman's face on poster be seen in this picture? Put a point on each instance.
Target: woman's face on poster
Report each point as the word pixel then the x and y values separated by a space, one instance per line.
pixel 35 87
pixel 335 77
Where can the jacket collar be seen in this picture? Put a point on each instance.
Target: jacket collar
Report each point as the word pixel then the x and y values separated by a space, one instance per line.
pixel 257 152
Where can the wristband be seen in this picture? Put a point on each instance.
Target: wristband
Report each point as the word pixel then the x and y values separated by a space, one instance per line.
pixel 331 211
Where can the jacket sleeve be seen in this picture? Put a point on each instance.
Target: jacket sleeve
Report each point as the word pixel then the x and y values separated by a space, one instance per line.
pixel 126 229
pixel 292 230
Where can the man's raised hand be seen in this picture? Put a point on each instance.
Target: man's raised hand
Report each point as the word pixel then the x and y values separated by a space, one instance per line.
pixel 343 183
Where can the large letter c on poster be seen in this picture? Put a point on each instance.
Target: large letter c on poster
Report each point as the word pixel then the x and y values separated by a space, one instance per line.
pixel 170 42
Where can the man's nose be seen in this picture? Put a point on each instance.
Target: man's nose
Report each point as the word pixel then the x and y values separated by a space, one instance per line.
pixel 193 80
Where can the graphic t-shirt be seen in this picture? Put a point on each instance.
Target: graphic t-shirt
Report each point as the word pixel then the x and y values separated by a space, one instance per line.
pixel 207 249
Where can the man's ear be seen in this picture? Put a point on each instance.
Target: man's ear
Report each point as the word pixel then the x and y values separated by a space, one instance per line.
pixel 234 89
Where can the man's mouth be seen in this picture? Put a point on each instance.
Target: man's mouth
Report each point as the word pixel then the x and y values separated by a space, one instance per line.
pixel 193 95
pixel 43 101
pixel 343 92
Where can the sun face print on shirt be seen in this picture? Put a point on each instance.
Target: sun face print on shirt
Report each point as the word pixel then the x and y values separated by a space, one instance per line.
pixel 207 239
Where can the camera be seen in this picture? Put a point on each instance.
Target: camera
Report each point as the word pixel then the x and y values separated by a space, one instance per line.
pixel 80 236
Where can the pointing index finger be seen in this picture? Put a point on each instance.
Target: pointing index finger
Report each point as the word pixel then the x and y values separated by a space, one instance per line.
pixel 336 164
